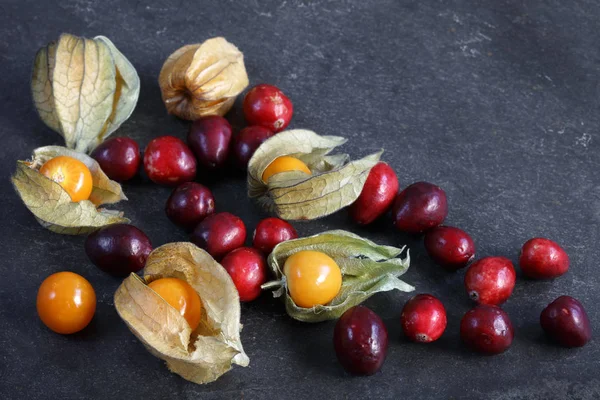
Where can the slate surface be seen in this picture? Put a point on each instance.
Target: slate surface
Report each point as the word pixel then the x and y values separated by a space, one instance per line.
pixel 495 101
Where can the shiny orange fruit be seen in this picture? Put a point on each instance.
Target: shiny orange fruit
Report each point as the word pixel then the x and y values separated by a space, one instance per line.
pixel 284 164
pixel 70 173
pixel 181 296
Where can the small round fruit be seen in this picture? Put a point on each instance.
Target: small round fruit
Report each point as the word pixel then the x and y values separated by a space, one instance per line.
pixel 209 138
pixel 267 106
pixel 543 259
pixel 189 204
pixel 313 278
pixel 248 270
pixel 423 318
pixel 118 157
pixel 490 280
pixel 181 296
pixel 71 174
pixel 270 232
pixel 377 195
pixel 219 234
pixel 168 161
pixel 360 339
pixel 566 322
pixel 420 207
pixel 66 302
pixel 487 329
pixel 118 249
pixel 284 164
pixel 247 141
pixel 450 247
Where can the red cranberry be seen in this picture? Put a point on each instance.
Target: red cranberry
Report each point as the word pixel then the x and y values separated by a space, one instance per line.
pixel 423 318
pixel 490 280
pixel 118 157
pixel 377 195
pixel 270 232
pixel 267 106
pixel 248 270
pixel 566 322
pixel 543 259
pixel 247 141
pixel 209 139
pixel 219 234
pixel 189 204
pixel 450 247
pixel 168 161
pixel 360 339
pixel 420 207
pixel 118 249
pixel 487 329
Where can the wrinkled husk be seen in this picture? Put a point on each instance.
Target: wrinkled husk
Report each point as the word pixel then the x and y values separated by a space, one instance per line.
pixel 367 268
pixel 335 182
pixel 200 356
pixel 52 205
pixel 203 79
pixel 84 89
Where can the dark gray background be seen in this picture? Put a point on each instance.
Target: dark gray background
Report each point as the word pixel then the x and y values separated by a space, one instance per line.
pixel 495 101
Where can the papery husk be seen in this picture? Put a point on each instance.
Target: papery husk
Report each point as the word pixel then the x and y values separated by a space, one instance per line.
pixel 207 353
pixel 84 89
pixel 367 268
pixel 52 205
pixel 335 182
pixel 204 79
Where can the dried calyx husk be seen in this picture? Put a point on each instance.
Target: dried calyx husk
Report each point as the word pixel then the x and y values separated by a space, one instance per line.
pixel 203 79
pixel 367 268
pixel 52 205
pixel 202 355
pixel 335 181
pixel 83 89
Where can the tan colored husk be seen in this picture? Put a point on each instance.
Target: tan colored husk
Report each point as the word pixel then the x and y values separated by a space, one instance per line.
pixel 205 354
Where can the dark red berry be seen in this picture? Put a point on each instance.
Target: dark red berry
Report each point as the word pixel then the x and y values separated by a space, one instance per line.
pixel 189 204
pixel 490 280
pixel 209 138
pixel 118 157
pixel 270 232
pixel 450 247
pixel 360 339
pixel 248 270
pixel 420 207
pixel 566 322
pixel 377 195
pixel 423 318
pixel 487 329
pixel 246 143
pixel 219 234
pixel 267 106
pixel 543 259
pixel 168 161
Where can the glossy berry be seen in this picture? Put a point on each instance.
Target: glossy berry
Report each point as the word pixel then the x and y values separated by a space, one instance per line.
pixel 189 204
pixel 270 232
pixel 487 329
pixel 118 157
pixel 377 195
pixel 210 138
pixel 219 234
pixel 181 296
pixel 247 141
pixel 360 339
pixel 118 249
pixel 267 106
pixel 168 161
pixel 543 259
pixel 312 277
pixel 420 207
pixel 284 164
pixel 450 247
pixel 490 280
pixel 566 322
pixel 248 270
pixel 71 174
pixel 423 318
